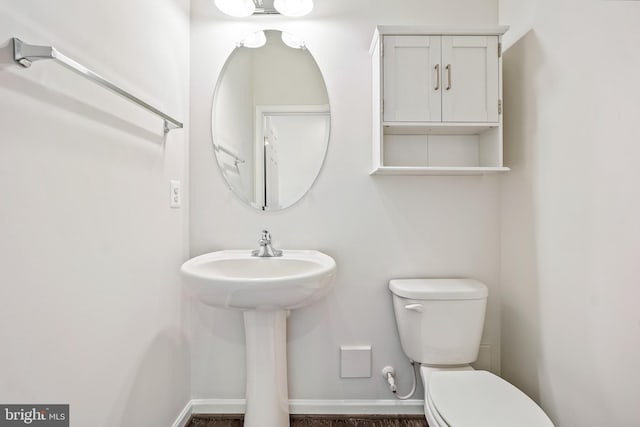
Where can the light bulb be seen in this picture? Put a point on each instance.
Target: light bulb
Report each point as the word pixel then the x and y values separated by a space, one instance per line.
pixel 292 41
pixel 293 7
pixel 237 8
pixel 254 40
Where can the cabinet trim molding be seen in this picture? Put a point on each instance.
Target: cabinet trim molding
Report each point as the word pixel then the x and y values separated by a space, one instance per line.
pixel 425 30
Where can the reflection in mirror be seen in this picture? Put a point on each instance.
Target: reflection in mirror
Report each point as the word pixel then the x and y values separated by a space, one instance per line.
pixel 270 120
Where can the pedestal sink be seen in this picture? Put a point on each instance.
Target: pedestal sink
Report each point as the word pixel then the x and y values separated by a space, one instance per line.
pixel 264 288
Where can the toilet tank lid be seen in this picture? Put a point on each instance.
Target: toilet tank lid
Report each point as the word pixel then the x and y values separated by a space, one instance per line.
pixel 439 289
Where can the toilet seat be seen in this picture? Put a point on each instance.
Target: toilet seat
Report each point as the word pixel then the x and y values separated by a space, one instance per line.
pixel 432 413
pixel 479 399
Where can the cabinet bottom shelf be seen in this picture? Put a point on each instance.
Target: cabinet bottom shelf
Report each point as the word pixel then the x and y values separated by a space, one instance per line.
pixel 438 170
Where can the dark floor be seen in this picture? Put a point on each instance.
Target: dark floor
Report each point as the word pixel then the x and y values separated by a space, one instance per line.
pixel 318 421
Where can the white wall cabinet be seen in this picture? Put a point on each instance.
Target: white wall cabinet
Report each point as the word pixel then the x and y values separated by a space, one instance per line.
pixel 437 100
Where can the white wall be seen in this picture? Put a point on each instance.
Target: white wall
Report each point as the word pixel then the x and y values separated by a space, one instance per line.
pixel 92 313
pixel 570 233
pixel 377 228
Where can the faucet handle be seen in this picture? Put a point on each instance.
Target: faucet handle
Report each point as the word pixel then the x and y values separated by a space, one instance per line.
pixel 266 238
pixel 265 249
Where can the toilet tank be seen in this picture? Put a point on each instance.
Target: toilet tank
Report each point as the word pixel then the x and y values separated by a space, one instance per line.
pixel 440 321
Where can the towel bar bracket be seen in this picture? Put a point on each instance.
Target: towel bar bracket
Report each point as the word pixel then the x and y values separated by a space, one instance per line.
pixel 24 54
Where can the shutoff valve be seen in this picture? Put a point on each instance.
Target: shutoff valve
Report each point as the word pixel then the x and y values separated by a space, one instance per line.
pixel 389 373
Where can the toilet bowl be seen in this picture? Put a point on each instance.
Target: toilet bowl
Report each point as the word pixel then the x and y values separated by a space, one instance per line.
pixel 440 323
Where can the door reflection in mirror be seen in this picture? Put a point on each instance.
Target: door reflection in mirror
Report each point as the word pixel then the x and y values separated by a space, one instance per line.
pixel 290 146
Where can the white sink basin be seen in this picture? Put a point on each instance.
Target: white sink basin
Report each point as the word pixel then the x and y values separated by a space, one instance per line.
pixel 235 279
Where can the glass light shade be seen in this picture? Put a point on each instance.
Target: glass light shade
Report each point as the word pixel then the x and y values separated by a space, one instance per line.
pixel 292 41
pixel 237 8
pixel 293 7
pixel 254 40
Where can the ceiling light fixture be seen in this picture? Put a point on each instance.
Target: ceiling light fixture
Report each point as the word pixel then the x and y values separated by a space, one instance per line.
pixel 236 8
pixel 293 8
pixel 243 8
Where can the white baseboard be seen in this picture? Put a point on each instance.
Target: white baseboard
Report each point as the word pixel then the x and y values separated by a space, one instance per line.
pixel 305 406
pixel 184 416
pixel 316 406
pixel 356 406
pixel 218 406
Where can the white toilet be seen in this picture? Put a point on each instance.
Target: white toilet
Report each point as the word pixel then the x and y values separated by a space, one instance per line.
pixel 440 323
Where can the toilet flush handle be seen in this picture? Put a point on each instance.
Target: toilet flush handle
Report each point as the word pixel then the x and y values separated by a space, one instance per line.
pixel 414 307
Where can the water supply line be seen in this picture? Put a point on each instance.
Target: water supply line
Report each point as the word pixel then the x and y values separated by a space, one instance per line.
pixel 389 374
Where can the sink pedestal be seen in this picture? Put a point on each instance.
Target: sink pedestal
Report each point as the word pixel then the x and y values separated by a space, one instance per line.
pixel 266 359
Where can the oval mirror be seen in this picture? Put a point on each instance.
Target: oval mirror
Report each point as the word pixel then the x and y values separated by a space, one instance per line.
pixel 270 120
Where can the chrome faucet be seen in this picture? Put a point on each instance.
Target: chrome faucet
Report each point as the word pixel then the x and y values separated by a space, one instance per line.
pixel 265 249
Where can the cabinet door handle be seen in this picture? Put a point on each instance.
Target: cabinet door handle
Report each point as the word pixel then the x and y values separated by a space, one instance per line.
pixel 437 67
pixel 448 67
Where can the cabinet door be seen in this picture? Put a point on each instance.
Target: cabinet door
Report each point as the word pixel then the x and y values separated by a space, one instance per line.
pixel 470 78
pixel 412 78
